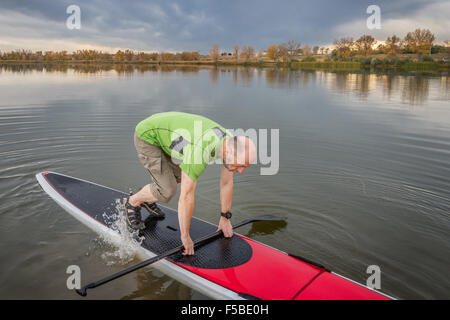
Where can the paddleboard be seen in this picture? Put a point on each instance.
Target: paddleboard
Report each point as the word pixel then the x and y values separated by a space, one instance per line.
pixel 234 268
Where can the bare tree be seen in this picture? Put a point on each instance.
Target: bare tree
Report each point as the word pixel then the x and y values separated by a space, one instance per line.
pixel 420 41
pixel 214 53
pixel 260 54
pixel 344 47
pixel 247 52
pixel 293 48
pixel 364 44
pixel 283 52
pixel 236 51
pixel 306 50
pixel 250 52
pixel 272 52
pixel 316 49
pixel 392 45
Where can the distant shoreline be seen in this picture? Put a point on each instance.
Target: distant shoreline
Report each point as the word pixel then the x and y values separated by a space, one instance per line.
pixel 375 64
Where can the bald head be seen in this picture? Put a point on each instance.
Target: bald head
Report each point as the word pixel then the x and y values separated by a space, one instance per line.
pixel 239 153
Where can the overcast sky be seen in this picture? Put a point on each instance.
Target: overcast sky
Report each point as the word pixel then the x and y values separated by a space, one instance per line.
pixel 195 25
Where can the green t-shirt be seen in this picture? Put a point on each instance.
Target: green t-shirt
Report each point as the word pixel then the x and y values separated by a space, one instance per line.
pixel 192 139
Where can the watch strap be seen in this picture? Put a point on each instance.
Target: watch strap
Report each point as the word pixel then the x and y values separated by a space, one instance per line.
pixel 226 214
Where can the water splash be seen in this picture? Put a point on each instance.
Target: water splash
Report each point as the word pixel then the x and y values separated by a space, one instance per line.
pixel 124 249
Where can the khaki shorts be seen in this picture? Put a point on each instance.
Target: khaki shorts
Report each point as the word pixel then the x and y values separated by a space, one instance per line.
pixel 165 174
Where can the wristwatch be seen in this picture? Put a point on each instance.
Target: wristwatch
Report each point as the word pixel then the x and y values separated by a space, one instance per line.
pixel 226 214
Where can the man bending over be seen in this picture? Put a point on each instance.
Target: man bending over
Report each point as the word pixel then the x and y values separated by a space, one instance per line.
pixel 176 147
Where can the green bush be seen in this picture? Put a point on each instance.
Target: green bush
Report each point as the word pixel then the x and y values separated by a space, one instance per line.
pixel 426 58
pixel 396 61
pixel 335 65
pixel 407 59
pixel 376 62
pixel 308 59
pixel 365 61
pixel 420 66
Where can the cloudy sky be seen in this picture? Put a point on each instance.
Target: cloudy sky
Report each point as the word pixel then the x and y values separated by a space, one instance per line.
pixel 195 25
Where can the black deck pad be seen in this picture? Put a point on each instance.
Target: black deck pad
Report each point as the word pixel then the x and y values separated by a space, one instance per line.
pixel 160 235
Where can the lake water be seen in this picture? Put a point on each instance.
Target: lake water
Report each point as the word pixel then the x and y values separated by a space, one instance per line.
pixel 363 179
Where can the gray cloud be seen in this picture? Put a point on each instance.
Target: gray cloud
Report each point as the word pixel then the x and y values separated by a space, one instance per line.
pixel 197 24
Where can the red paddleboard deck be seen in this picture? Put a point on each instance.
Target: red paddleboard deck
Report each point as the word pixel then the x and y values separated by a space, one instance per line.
pixel 233 268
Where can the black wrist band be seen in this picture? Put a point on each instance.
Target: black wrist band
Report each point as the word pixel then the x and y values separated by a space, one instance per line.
pixel 226 214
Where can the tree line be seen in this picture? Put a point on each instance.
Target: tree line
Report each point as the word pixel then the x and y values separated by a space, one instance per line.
pixel 420 41
pixel 98 56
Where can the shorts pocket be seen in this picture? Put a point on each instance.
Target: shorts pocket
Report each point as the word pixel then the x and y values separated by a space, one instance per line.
pixel 153 164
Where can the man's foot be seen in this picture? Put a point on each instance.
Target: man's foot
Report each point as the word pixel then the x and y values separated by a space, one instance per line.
pixel 154 210
pixel 133 215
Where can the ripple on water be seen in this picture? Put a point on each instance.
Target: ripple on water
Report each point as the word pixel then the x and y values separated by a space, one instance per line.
pixel 364 174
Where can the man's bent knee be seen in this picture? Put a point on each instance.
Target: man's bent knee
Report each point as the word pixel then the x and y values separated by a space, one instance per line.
pixel 164 194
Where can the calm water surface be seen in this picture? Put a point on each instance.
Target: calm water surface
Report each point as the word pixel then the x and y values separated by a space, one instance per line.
pixel 364 174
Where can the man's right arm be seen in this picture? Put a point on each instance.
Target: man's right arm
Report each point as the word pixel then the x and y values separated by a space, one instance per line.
pixel 185 210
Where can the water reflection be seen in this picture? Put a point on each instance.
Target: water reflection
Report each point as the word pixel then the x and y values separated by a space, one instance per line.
pixel 214 75
pixel 408 88
pixel 445 87
pixel 151 285
pixel 361 84
pixel 246 76
pixel 266 227
pixel 389 85
pixel 415 89
pixel 358 187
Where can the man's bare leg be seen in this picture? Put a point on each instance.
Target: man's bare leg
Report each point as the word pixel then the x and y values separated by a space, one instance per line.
pixel 144 195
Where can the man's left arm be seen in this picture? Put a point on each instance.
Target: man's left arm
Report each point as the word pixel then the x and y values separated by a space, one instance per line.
pixel 226 197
